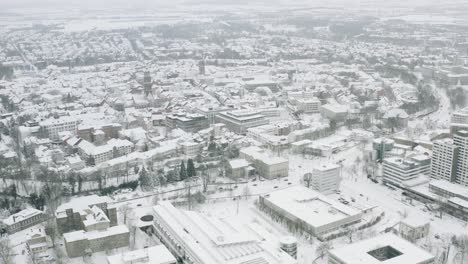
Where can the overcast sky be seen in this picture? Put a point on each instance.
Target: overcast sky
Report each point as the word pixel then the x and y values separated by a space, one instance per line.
pixel 9 4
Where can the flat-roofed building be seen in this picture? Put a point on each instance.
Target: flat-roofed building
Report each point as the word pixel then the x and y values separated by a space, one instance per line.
pixel 211 112
pixel 53 126
pixel 187 122
pixel 460 139
pixel 152 255
pixel 396 170
pixel 80 243
pixel 267 166
pixel 23 219
pixel 388 249
pixel 199 239
pixel 317 214
pixel 326 178
pixel 413 228
pixel 239 121
pixel 444 160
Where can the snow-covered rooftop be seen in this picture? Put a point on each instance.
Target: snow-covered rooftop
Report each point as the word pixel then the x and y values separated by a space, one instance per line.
pixel 402 250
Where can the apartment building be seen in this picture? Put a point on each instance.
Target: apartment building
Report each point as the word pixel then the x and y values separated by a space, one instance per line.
pixel 444 160
pixel 460 139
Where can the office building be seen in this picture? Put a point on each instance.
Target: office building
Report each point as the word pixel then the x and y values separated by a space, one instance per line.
pixel 239 121
pixel 326 178
pixel 187 122
pixel 267 166
pixel 388 248
pixel 397 171
pixel 317 214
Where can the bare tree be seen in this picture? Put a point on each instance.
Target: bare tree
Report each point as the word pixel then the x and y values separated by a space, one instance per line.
pixel 205 178
pixel 51 230
pixel 307 179
pixel 125 211
pixel 322 249
pixel 349 233
pixel 461 243
pixel 6 251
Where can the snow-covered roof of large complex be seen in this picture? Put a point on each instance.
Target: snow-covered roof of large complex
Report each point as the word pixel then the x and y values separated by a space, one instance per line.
pixel 153 255
pixel 388 249
pixel 310 206
pixel 21 215
pixel 211 240
pixel 453 188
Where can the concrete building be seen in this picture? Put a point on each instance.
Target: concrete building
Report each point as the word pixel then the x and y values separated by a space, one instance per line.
pixel 211 112
pixel 450 158
pixel 53 126
pixel 326 178
pixel 81 243
pixel 238 168
pixel 306 105
pixel 413 228
pixel 114 148
pixel 459 120
pixel 72 215
pixel 397 171
pixel 239 121
pixel 314 212
pixel 190 149
pixel 24 219
pixel 267 166
pixel 152 255
pixel 388 248
pixel 37 241
pixel 195 238
pixel 452 197
pixel 92 133
pixel 460 139
pixel 382 145
pixel 444 160
pixel 187 122
pixel 334 112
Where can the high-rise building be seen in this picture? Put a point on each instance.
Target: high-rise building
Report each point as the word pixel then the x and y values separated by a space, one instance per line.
pixel 450 158
pixel 443 163
pixel 460 139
